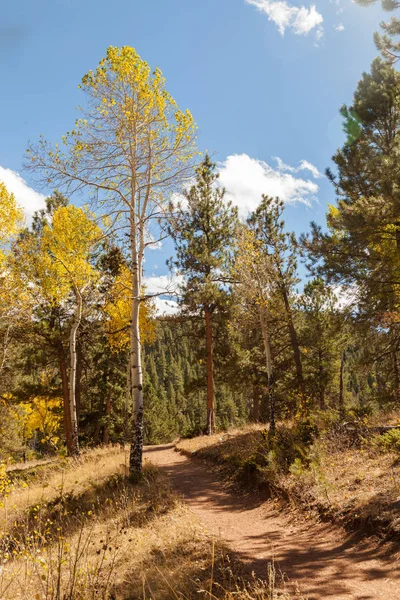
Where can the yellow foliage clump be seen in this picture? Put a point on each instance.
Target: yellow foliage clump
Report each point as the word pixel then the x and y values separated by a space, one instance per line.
pixel 42 414
pixel 11 216
pixel 67 246
pixel 5 483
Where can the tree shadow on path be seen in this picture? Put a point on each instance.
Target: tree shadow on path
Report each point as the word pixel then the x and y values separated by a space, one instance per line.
pixel 322 559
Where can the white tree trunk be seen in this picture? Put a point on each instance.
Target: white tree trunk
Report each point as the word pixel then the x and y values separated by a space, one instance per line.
pixel 127 435
pixel 136 452
pixel 72 389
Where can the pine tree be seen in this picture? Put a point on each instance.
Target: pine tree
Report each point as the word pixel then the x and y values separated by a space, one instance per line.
pixel 157 423
pixel 321 337
pixel 361 250
pixel 151 370
pixel 202 233
pixel 385 43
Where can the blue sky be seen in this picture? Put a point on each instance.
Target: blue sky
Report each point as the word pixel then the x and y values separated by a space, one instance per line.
pixel 264 80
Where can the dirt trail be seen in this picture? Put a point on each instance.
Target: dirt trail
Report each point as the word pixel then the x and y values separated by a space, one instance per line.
pixel 325 563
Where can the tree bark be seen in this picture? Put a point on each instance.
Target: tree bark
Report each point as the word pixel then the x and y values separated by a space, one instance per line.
pixel 65 392
pixel 78 380
pixel 295 346
pixel 136 451
pixel 106 430
pixel 128 399
pixel 270 374
pixel 341 388
pixel 397 225
pixel 396 375
pixel 72 390
pixel 210 372
pixel 321 386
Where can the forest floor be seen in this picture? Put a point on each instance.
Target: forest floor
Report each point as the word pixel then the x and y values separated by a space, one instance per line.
pixel 319 560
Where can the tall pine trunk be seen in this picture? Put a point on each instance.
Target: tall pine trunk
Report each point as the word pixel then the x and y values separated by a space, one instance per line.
pixel 72 388
pixel 295 346
pixel 210 372
pixel 321 387
pixel 136 451
pixel 341 388
pixel 270 373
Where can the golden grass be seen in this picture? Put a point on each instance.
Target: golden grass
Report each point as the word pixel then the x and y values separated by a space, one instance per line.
pixel 80 530
pixel 192 445
pixel 63 476
pixel 358 486
pixel 30 464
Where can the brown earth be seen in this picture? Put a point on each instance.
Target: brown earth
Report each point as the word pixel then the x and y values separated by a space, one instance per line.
pixel 320 560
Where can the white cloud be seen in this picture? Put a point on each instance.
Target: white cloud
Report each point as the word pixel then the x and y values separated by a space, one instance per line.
pixel 303 166
pixel 346 296
pixel 246 179
pixel 25 195
pixel 319 35
pixel 163 284
pixel 166 307
pixel 339 27
pixel 299 19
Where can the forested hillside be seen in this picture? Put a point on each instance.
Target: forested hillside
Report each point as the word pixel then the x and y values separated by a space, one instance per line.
pixel 253 341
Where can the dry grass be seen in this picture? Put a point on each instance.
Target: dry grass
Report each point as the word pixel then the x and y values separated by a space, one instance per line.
pixel 250 433
pixel 30 464
pixel 80 530
pixel 358 487
pixel 355 486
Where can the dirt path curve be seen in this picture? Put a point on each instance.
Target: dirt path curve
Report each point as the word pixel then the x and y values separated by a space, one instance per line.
pixel 325 563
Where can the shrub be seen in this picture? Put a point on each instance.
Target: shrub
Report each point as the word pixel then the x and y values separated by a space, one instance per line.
pixel 388 442
pixel 305 432
pixel 290 445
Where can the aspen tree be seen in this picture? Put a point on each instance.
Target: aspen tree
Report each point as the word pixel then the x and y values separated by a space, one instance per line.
pixel 130 150
pixel 69 240
pixel 12 297
pixel 254 296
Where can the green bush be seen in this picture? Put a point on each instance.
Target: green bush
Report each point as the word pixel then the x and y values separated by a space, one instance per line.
pixel 290 445
pixel 297 467
pixel 388 442
pixel 360 412
pixel 305 432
